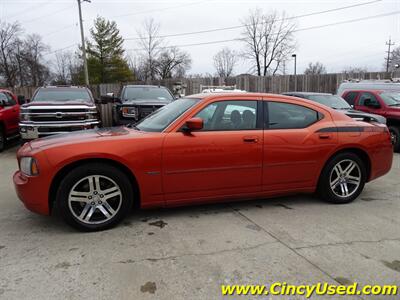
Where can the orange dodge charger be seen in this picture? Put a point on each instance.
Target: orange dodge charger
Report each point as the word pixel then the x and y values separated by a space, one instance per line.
pixel 200 149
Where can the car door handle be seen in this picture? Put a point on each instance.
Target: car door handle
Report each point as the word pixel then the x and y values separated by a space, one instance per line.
pixel 324 136
pixel 250 139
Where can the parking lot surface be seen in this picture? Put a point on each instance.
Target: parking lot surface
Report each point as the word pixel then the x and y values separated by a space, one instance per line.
pixel 187 253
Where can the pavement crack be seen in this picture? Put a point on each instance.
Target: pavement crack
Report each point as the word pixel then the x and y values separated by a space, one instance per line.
pixel 129 261
pixel 294 250
pixel 345 243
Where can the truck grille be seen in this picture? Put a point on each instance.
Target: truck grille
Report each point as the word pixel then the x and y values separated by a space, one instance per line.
pixel 57 114
pixel 145 110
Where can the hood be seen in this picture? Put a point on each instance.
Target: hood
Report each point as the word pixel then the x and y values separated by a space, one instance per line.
pixel 357 114
pixel 82 136
pixel 58 103
pixel 146 102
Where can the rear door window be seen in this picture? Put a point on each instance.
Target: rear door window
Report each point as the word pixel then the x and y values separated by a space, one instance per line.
pixel 282 115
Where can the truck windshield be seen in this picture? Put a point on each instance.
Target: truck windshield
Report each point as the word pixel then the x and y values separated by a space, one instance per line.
pixel 146 93
pixel 391 99
pixel 162 118
pixel 51 95
pixel 332 101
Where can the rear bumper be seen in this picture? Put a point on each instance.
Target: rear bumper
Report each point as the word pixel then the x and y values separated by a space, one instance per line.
pixel 31 193
pixel 30 131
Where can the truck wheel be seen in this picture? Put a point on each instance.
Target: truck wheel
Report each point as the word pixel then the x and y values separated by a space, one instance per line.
pixel 395 136
pixel 94 197
pixel 2 139
pixel 342 179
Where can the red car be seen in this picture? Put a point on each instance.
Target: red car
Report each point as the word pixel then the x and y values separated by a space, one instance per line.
pixel 385 103
pixel 200 149
pixel 9 117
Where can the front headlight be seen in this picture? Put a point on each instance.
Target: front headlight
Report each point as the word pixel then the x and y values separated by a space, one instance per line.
pixel 28 166
pixel 129 112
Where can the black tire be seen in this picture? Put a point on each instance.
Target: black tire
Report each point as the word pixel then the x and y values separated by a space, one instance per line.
pixel 2 139
pixel 79 173
pixel 395 134
pixel 328 194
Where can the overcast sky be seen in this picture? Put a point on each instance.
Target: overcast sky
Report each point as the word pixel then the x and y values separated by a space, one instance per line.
pixel 360 44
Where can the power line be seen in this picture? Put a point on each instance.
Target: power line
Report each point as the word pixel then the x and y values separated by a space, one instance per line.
pixel 160 9
pixel 59 30
pixel 29 9
pixel 46 15
pixel 243 26
pixel 297 30
pixel 60 49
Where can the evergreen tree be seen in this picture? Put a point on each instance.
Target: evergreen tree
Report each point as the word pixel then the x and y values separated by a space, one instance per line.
pixel 106 61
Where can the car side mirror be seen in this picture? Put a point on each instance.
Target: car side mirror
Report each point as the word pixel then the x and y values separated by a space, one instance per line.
pixel 21 99
pixel 194 124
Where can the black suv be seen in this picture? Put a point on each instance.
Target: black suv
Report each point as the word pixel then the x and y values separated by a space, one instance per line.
pixel 338 103
pixel 138 101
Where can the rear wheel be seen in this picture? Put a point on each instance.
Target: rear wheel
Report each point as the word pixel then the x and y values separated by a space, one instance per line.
pixel 342 179
pixel 395 136
pixel 94 197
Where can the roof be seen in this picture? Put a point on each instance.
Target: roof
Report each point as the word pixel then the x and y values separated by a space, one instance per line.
pixel 144 86
pixel 62 87
pixel 304 93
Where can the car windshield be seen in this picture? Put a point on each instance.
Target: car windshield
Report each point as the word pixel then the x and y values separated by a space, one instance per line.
pixel 391 99
pixel 332 101
pixel 146 93
pixel 162 118
pixel 50 95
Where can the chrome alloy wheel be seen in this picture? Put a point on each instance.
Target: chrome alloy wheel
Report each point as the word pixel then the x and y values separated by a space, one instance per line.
pixel 345 178
pixel 95 199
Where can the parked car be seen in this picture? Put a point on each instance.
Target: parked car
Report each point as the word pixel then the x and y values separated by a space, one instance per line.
pixel 9 116
pixel 338 103
pixel 359 85
pixel 138 101
pixel 200 149
pixel 58 109
pixel 380 102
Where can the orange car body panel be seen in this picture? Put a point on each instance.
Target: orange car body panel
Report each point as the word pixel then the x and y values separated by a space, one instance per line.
pixel 175 168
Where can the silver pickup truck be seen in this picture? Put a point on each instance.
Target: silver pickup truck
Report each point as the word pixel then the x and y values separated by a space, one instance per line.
pixel 54 110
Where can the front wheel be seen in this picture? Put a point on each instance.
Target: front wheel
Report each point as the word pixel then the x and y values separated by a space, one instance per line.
pixel 2 139
pixel 94 197
pixel 395 137
pixel 343 178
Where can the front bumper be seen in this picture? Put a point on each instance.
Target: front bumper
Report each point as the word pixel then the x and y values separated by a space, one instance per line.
pixel 30 131
pixel 29 192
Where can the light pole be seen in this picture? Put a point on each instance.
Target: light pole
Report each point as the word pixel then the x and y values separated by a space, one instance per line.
pixel 85 67
pixel 295 66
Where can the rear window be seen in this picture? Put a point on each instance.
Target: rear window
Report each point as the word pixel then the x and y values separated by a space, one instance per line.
pixel 49 95
pixel 146 93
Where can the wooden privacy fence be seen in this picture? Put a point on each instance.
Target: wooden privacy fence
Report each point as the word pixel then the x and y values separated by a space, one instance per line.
pixel 327 83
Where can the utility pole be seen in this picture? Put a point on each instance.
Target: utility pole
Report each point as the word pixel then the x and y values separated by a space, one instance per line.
pixel 389 44
pixel 295 73
pixel 83 43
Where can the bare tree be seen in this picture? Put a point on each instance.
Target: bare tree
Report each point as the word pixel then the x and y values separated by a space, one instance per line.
pixel 9 35
pixel 150 43
pixel 63 68
pixel 268 41
pixel 34 49
pixel 394 59
pixel 225 61
pixel 315 68
pixel 173 62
